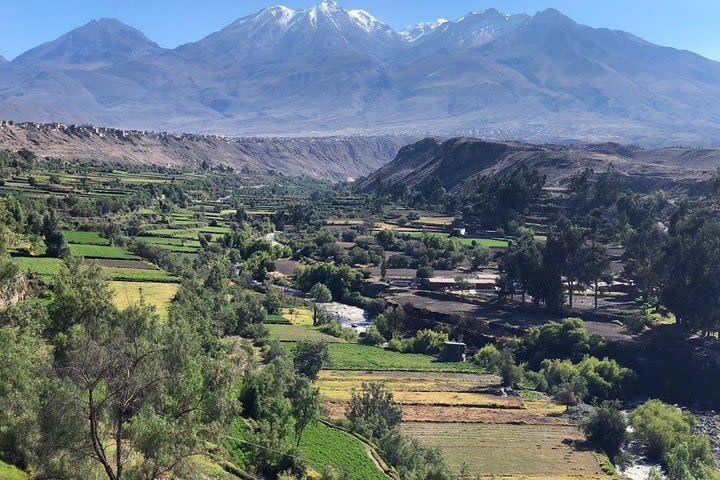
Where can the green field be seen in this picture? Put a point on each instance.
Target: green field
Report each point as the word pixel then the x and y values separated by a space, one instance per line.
pixel 296 333
pixel 276 319
pixel 322 445
pixel 9 472
pixel 468 241
pixel 86 238
pixel 176 242
pixel 101 251
pixel 41 265
pixel 139 274
pixel 353 356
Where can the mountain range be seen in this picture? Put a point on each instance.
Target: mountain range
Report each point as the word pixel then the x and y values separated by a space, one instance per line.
pixel 326 70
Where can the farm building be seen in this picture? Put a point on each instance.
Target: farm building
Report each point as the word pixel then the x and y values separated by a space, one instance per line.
pixel 481 281
pixel 452 352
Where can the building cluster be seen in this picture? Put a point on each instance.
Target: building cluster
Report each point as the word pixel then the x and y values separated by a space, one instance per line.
pixel 88 130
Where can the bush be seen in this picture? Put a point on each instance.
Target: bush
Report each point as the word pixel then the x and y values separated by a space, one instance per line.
pixel 692 459
pixel 488 358
pixel 257 331
pixel 372 336
pixel 425 271
pixel 659 427
pixel 334 329
pixel 509 371
pixel 606 428
pixel 428 342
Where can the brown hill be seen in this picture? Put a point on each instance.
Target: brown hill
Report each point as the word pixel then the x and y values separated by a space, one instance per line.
pixel 459 159
pixel 332 158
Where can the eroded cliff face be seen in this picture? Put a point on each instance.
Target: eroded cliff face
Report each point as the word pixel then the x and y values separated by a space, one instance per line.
pixel 331 158
pixel 458 159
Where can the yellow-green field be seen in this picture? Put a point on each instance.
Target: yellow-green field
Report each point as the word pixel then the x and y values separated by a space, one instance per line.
pixel 514 451
pixel 156 294
pixel 299 316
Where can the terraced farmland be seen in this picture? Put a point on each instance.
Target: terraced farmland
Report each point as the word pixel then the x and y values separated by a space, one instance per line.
pixel 157 294
pixel 323 446
pixel 510 451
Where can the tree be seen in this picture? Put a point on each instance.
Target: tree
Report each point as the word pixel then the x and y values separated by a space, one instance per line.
pixel 596 265
pixel 25 366
pixel 305 400
pixel 310 356
pixel 606 428
pixel 136 386
pixel 692 459
pixel 659 427
pixel 373 411
pixel 480 257
pixel 644 259
pixel 509 371
pixel 424 271
pixel 55 242
pixel 321 293
pixel 565 250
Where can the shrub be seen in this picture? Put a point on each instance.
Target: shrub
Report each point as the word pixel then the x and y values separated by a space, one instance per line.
pixel 606 428
pixel 425 271
pixel 372 336
pixel 488 358
pixel 372 411
pixel 659 427
pixel 334 329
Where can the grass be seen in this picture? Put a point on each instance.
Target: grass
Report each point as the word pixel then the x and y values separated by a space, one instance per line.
pixel 85 238
pixel 468 241
pixel 276 319
pixel 10 472
pixel 296 333
pixel 322 445
pixel 509 450
pixel 139 275
pixel 299 316
pixel 44 266
pixel 176 242
pixel 101 251
pixel 157 294
pixel 353 356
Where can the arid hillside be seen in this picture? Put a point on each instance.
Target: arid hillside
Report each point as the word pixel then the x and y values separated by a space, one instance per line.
pixel 459 159
pixel 332 158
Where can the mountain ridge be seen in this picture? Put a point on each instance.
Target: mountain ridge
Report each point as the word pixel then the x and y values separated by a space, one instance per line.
pixel 330 71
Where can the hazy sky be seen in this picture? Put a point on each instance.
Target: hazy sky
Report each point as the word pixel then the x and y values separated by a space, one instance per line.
pixel 686 24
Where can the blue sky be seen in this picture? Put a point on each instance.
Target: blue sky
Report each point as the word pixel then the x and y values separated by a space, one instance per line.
pixel 687 24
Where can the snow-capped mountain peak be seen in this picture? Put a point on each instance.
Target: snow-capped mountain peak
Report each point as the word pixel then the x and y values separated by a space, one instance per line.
pixel 413 32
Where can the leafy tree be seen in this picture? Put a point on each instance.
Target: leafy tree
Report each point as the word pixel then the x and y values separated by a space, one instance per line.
pixel 373 411
pixel 693 459
pixel 55 242
pixel 488 358
pixel 509 371
pixel 606 428
pixel 659 427
pixel 372 336
pixel 310 356
pixel 321 293
pixel 425 271
pixel 25 365
pixel 565 250
pixel 305 401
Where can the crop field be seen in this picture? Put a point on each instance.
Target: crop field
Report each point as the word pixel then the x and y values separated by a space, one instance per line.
pixel 340 380
pixel 139 275
pixel 299 316
pixel 101 251
pixel 44 266
pixel 157 294
pixel 296 333
pixel 322 445
pixel 353 356
pixel 515 451
pixel 85 238
pixel 176 242
pixel 468 241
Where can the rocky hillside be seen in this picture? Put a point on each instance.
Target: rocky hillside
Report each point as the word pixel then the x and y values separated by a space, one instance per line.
pixel 333 158
pixel 459 159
